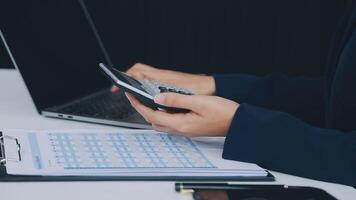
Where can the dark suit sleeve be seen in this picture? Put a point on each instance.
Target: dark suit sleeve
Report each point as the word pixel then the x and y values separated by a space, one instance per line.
pixel 301 97
pixel 278 141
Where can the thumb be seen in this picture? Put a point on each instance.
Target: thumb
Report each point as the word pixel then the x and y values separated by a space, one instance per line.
pixel 191 102
pixel 137 75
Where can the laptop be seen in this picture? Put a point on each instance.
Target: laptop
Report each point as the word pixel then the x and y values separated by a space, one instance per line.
pixel 55 47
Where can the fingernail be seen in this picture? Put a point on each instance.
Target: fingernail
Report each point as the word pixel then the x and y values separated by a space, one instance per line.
pixel 127 96
pixel 159 99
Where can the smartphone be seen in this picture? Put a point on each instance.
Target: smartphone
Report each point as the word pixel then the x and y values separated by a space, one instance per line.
pixel 263 193
pixel 144 91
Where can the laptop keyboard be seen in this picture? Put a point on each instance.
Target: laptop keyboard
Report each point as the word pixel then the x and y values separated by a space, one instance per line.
pixel 103 105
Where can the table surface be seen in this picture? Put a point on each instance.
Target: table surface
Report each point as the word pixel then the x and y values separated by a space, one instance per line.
pixel 17 111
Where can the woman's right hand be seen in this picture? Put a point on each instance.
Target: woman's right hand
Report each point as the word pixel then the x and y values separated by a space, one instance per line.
pixel 198 84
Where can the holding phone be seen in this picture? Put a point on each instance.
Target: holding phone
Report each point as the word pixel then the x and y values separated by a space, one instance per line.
pixel 144 91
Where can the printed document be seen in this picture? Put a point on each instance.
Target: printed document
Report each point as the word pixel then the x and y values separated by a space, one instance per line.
pixel 119 153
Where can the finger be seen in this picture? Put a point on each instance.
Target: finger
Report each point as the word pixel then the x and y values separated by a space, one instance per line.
pixel 142 66
pixel 160 128
pixel 175 132
pixel 138 75
pixel 169 130
pixel 139 71
pixel 143 110
pixel 114 89
pixel 171 121
pixel 191 102
pixel 150 115
pixel 164 129
pixel 145 72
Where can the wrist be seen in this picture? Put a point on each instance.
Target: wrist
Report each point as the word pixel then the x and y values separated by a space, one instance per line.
pixel 231 117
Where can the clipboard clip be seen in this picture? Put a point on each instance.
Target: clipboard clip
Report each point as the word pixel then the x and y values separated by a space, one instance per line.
pixel 3 158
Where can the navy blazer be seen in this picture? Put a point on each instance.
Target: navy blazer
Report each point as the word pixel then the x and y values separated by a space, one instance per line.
pixel 300 126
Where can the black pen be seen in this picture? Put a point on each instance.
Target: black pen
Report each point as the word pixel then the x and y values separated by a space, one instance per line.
pixel 222 186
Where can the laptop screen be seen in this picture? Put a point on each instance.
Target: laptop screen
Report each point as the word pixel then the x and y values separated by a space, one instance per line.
pixel 55 49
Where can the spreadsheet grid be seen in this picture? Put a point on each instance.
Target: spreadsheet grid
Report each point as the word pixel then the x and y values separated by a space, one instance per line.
pixel 119 151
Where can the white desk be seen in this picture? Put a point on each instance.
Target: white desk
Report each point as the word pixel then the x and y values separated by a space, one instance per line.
pixel 17 111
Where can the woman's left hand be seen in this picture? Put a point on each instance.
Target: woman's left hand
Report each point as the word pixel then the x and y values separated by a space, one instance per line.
pixel 209 115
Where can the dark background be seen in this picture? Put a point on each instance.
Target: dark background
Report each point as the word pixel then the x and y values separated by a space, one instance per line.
pixel 4 59
pixel 207 36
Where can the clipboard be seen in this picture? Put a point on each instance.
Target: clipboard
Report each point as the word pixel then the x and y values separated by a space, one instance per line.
pixel 4 177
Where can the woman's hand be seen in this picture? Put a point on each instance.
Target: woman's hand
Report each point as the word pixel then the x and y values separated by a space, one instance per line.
pixel 209 116
pixel 198 84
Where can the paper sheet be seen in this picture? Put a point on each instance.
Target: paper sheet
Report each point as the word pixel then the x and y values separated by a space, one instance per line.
pixel 121 153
